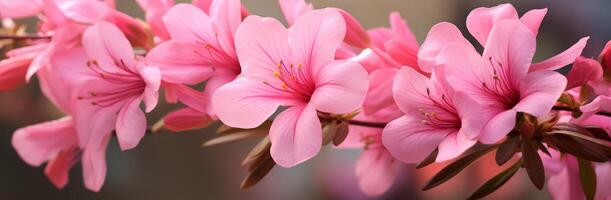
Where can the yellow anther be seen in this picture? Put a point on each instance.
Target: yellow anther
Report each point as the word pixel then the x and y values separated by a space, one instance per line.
pixel 279 65
pixel 299 66
pixel 276 74
pixel 284 86
pixel 93 94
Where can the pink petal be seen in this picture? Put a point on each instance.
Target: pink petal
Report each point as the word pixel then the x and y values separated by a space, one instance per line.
pixel 181 62
pixel 562 59
pixel 245 103
pixel 154 11
pixel 379 94
pixel 94 164
pixel 204 5
pixel 188 30
pixel 295 135
pixel 402 30
pixel 481 20
pixel 539 91
pixel 410 141
pixel 87 12
pixel 440 35
pixel 42 142
pixel 261 43
pixel 13 71
pixel 220 78
pixel 472 115
pixel 512 46
pixel 94 123
pixel 583 71
pixel 532 19
pixel 293 9
pixel 465 70
pixel 134 30
pixel 186 119
pixel 57 170
pixel 131 124
pixel 376 170
pixel 410 89
pixel 315 37
pixel 403 52
pixel 227 14
pixel 338 92
pixel 105 43
pixel 356 35
pixel 40 61
pixel 453 145
pixel 58 81
pixel 498 127
pixel 152 78
pixel 190 97
pixel 20 9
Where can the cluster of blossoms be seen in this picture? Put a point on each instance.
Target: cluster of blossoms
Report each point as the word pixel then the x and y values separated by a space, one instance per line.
pixel 324 79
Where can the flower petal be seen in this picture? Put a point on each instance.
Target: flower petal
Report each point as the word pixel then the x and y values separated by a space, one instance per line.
pixel 481 20
pixel 42 142
pixel 583 71
pixel 293 9
pixel 94 164
pixel 295 135
pixel 379 94
pixel 186 119
pixel 562 59
pixel 105 43
pixel 410 141
pixel 315 37
pixel 57 170
pixel 131 124
pixel 497 127
pixel 245 103
pixel 440 35
pixel 539 92
pixel 410 90
pixel 376 170
pixel 152 78
pixel 13 71
pixel 532 19
pixel 453 145
pixel 341 87
pixel 181 62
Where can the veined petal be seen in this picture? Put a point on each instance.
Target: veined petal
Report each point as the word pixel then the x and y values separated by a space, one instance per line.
pixel 227 14
pixel 539 91
pixel 408 140
pixel 315 37
pixel 481 20
pixel 131 124
pixel 245 103
pixel 439 36
pixel 181 62
pixel 105 43
pixel 261 44
pixel 562 59
pixel 295 135
pixel 410 90
pixel 341 87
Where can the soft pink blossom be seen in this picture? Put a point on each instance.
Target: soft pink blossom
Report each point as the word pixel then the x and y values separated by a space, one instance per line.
pixel 501 79
pixel 110 85
pixel 583 71
pixel 293 68
pixel 435 116
pixel 19 9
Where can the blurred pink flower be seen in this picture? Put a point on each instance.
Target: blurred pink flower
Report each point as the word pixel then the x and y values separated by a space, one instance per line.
pixel 435 116
pixel 500 78
pixel 293 68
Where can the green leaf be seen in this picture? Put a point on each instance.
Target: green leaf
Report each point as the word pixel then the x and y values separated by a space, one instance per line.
pixel 496 182
pixel 578 147
pixel 588 178
pixel 428 160
pixel 533 164
pixel 507 149
pixel 457 166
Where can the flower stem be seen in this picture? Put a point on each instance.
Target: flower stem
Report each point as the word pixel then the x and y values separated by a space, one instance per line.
pixel 24 37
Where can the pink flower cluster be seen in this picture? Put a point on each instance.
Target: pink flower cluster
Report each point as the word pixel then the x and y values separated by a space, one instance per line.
pixel 402 100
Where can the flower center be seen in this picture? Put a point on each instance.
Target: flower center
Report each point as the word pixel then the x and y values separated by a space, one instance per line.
pixel 445 114
pixel 294 79
pixel 121 85
pixel 501 87
pixel 215 55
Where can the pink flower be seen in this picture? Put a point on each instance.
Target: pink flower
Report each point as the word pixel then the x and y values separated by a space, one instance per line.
pixel 19 9
pixel 501 78
pixel 57 142
pixel 154 11
pixel 186 119
pixel 293 68
pixel 435 116
pixel 199 50
pixel 110 86
pixel 376 169
pixel 13 69
pixel 481 21
pixel 583 71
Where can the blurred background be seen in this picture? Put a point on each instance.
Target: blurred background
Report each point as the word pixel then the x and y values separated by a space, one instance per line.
pixel 175 166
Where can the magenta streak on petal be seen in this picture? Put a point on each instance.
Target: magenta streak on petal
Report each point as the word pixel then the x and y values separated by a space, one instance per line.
pixel 503 90
pixel 129 84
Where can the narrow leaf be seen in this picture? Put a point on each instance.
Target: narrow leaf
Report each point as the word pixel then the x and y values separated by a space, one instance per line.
pixel 533 164
pixel 428 160
pixel 588 178
pixel 507 149
pixel 229 138
pixel 341 134
pixel 578 147
pixel 457 166
pixel 496 182
pixel 257 154
pixel 599 133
